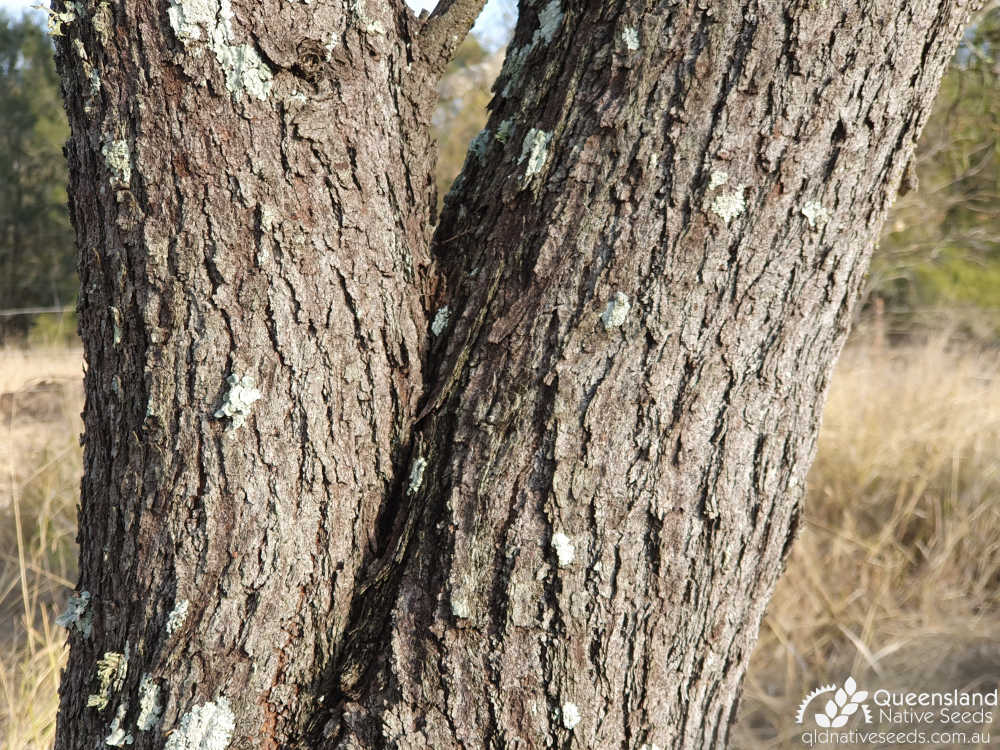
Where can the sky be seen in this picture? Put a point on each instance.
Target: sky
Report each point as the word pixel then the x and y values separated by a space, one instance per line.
pixel 490 27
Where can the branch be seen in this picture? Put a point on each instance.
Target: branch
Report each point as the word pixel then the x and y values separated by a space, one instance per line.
pixel 445 29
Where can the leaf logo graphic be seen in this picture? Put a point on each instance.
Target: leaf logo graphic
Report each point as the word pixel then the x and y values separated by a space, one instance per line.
pixel 842 706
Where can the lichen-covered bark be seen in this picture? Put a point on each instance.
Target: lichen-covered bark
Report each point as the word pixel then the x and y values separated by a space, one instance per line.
pixel 251 196
pixel 550 515
pixel 651 262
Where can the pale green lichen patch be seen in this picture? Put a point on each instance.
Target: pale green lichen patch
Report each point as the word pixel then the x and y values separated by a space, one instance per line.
pixel 616 311
pixel 631 38
pixel 570 715
pixel 177 616
pixel 730 205
pixel 505 130
pixel 416 475
pixel 239 399
pixel 78 614
pixel 56 20
pixel 111 670
pixel 191 18
pixel 815 214
pixel 245 70
pixel 206 727
pixel 440 321
pixel 549 19
pixel 479 144
pixel 512 65
pixel 535 150
pixel 565 553
pixel 150 707
pixel 119 160
pixel 117 736
pixel 211 21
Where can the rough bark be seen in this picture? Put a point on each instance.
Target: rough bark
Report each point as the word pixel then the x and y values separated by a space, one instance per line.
pixel 649 266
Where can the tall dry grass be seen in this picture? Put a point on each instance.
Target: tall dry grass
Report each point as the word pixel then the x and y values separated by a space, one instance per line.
pixel 40 463
pixel 894 578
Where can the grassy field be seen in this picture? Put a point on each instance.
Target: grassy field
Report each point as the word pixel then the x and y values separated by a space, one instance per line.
pixel 894 579
pixel 41 396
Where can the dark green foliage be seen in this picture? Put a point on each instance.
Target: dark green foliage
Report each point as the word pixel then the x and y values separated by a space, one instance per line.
pixel 37 258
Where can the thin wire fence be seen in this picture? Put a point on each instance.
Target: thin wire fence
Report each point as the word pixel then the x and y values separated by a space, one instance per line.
pixel 35 311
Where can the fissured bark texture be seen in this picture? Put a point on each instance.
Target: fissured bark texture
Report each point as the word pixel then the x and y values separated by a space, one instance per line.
pixel 528 484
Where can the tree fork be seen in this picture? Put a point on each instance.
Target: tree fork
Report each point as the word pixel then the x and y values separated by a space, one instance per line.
pixel 527 485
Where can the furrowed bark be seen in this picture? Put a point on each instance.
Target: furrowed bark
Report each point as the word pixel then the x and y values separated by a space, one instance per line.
pixel 621 335
pixel 251 196
pixel 727 170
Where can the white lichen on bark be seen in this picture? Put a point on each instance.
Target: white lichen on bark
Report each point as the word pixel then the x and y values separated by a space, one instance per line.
pixel 78 614
pixel 730 205
pixel 150 708
pixel 440 321
pixel 570 715
pixel 119 160
pixel 631 38
pixel 211 20
pixel 815 214
pixel 536 150
pixel 239 399
pixel 417 475
pixel 460 608
pixel 617 310
pixel 102 22
pixel 117 736
pixel 717 179
pixel 549 19
pixel 177 616
pixel 365 22
pixel 565 553
pixel 206 727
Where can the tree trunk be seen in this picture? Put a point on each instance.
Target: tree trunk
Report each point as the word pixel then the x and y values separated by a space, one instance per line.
pixel 526 484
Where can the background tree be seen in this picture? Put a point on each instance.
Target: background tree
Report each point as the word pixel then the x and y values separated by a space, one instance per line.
pixel 528 484
pixel 37 258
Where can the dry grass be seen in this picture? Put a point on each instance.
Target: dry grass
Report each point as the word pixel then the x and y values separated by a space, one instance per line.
pixel 894 578
pixel 40 401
